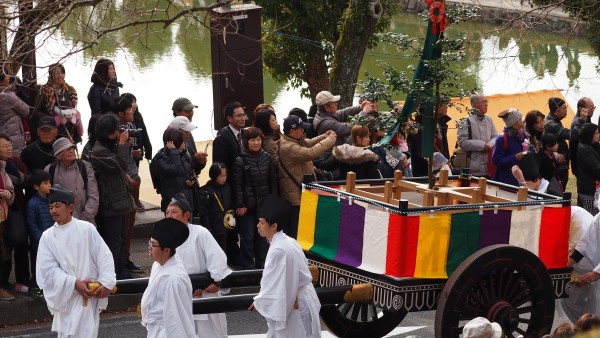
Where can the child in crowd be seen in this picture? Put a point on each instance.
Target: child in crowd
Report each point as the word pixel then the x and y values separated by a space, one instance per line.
pixel 38 220
pixel 219 204
pixel 548 163
pixel 403 146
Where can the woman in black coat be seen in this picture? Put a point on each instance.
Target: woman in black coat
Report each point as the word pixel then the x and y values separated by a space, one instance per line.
pixel 255 177
pixel 175 168
pixel 588 160
pixel 105 87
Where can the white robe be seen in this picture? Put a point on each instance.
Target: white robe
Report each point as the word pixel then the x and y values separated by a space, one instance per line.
pixel 167 301
pixel 585 299
pixel 201 253
pixel 67 253
pixel 286 278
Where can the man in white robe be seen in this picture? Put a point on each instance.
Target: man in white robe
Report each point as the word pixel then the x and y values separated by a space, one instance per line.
pixel 167 301
pixel 584 296
pixel 287 298
pixel 71 253
pixel 201 253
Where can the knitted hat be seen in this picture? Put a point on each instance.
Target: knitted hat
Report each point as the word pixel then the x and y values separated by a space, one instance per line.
pixel 554 103
pixel 510 116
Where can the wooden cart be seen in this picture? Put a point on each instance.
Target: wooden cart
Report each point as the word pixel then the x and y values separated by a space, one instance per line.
pixel 467 248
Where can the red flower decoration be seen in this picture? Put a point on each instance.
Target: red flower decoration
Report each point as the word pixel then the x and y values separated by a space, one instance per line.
pixel 429 2
pixel 437 11
pixel 440 27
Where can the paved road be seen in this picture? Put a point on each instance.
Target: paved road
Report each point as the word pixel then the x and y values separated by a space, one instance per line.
pixel 243 324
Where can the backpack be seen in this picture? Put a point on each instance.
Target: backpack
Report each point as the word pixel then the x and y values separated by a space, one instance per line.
pixel 491 167
pixel 155 172
pixel 82 171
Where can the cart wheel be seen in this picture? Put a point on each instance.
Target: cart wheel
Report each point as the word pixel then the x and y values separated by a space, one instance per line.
pixel 505 284
pixel 360 320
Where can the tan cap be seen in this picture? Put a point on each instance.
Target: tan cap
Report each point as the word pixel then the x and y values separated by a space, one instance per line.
pixel 324 97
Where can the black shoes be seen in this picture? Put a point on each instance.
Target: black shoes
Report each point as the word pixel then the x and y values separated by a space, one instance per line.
pixel 132 267
pixel 124 275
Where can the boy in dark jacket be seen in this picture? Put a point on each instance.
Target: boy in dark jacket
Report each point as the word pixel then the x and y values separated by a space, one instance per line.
pixel 38 220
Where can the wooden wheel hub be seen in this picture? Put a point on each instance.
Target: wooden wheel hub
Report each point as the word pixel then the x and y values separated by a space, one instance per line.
pixel 502 312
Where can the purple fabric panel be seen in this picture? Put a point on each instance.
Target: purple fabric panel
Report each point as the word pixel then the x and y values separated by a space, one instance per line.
pixel 352 225
pixel 495 228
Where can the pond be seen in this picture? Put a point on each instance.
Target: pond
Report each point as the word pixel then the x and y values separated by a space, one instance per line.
pixel 175 62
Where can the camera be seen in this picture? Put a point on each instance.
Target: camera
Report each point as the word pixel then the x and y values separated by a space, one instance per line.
pixel 132 132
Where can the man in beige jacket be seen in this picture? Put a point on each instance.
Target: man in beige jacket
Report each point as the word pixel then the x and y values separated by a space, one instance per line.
pixel 296 154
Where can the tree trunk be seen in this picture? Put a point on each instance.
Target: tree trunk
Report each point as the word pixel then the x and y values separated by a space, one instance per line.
pixel 3 33
pixel 358 25
pixel 316 76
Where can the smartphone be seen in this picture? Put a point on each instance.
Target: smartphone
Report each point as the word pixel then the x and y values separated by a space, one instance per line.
pixel 206 147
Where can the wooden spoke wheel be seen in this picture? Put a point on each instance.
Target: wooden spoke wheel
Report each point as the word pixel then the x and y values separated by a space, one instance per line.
pixel 360 320
pixel 505 284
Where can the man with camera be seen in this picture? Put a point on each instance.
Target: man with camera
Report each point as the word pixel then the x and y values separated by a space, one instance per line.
pixel 123 106
pixel 110 158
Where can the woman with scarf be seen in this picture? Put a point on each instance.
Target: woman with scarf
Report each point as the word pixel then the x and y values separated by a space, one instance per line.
pixel 105 87
pixel 510 146
pixel 59 100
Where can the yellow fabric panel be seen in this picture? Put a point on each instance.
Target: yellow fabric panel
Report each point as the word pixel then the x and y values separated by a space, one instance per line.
pixel 306 222
pixel 432 247
pixel 524 102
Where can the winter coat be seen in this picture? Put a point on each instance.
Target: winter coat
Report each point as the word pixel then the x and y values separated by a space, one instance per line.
pixel 337 122
pixel 101 97
pixel 175 169
pixel 589 168
pixel 296 157
pixel 483 132
pixel 12 109
pixel 213 218
pixel 361 161
pixel 255 177
pixel 38 217
pixel 576 126
pixel 554 126
pixel 109 167
pixel 271 146
pixel 144 141
pixel 505 159
pixel 87 201
pixel 419 163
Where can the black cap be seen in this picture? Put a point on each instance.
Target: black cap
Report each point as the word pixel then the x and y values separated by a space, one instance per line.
pixel 274 209
pixel 182 202
pixel 293 122
pixel 60 194
pixel 47 122
pixel 170 233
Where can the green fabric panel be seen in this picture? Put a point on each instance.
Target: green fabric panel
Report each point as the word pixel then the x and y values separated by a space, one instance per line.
pixel 327 227
pixel 464 238
pixel 411 103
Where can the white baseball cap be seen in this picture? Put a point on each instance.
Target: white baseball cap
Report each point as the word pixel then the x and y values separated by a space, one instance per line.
pixel 182 123
pixel 482 328
pixel 324 97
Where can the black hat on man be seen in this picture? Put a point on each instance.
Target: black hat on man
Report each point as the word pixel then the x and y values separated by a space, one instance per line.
pixel 60 194
pixel 293 122
pixel 274 209
pixel 170 233
pixel 182 202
